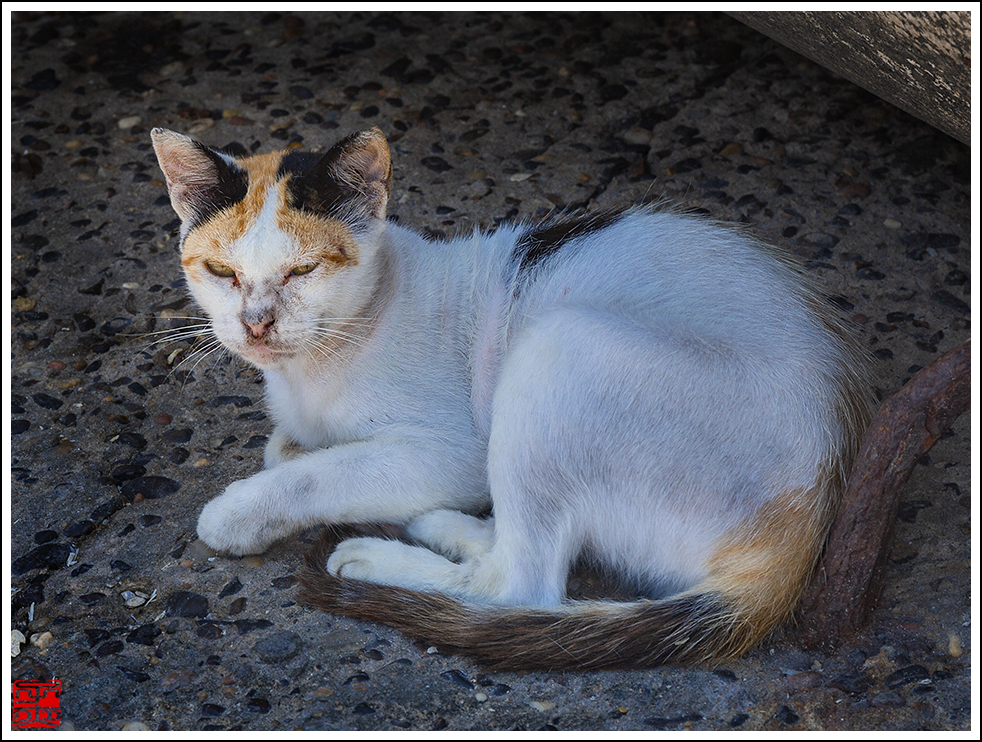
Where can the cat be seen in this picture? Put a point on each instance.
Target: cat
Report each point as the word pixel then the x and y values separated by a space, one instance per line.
pixel 664 396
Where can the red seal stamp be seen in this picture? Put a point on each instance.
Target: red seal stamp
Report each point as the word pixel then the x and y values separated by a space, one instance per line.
pixel 36 704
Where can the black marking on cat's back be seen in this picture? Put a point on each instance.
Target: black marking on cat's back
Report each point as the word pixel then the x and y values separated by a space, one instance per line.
pixel 538 244
pixel 228 188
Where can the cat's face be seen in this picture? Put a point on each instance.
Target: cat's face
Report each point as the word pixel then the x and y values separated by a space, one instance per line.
pixel 277 248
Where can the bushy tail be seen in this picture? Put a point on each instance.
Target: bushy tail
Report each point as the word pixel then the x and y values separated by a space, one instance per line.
pixel 753 586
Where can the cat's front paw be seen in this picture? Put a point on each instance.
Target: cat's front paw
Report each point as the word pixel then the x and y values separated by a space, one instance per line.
pixel 240 521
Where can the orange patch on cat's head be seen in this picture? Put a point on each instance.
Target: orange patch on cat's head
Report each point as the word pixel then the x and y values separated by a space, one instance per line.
pixel 318 239
pixel 323 240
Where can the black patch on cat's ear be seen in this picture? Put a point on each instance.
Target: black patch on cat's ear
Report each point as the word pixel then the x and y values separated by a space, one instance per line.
pixel 350 182
pixel 200 181
pixel 539 243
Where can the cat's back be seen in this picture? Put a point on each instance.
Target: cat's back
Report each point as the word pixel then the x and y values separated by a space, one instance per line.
pixel 674 271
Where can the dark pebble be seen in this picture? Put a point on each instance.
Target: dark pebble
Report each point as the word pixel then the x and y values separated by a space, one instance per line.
pixel 135 675
pixel 178 455
pixel 46 556
pixel 687 165
pixel 282 583
pixel 211 710
pixel 106 510
pixel 120 565
pixel 906 676
pixel 870 274
pixel 236 606
pixel 797 162
pixel 96 636
pixel 187 605
pixel 907 512
pixel 150 488
pixel 949 300
pixel 232 399
pixel 25 218
pixel 148 521
pixel 787 715
pixel 663 722
pixel 47 401
pixel 932 240
pixel 133 440
pixel 109 648
pixel 144 635
pixel 209 630
pixel 888 699
pixel 231 588
pixel 457 678
pixel 30 593
pixel 115 325
pixel 258 705
pixel 956 278
pixel 280 647
pixel 43 537
pixel 363 709
pixel 256 441
pixel 137 388
pixel 358 677
pixel 738 720
pixel 437 164
pixel 248 625
pixel 612 92
pixel 127 472
pixel 254 415
pixel 19 426
pixel 728 675
pixel 851 682
pixel 179 435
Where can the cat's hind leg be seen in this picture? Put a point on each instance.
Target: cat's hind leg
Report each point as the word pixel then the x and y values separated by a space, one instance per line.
pixel 457 536
pixel 396 563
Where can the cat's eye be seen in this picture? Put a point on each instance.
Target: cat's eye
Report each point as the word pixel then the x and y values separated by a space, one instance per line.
pixel 219 269
pixel 302 270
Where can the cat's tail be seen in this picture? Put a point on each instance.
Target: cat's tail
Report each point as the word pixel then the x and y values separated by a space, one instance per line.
pixel 754 583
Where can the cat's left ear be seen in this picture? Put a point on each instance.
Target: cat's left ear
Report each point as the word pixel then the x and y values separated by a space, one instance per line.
pixel 356 171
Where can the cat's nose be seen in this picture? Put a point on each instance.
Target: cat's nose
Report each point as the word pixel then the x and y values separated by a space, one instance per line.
pixel 259 329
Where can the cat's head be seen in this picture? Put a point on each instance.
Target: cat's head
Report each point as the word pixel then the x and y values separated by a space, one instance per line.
pixel 278 248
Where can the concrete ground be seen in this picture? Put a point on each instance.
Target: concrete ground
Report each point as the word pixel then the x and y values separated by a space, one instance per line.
pixel 120 435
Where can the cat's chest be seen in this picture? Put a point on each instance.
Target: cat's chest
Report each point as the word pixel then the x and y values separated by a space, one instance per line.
pixel 317 413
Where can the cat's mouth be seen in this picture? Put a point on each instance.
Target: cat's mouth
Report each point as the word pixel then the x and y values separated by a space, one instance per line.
pixel 262 354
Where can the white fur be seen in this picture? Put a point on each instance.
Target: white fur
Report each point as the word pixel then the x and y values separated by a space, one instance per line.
pixel 658 382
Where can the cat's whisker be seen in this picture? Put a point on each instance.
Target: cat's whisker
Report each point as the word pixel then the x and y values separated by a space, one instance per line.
pixel 323 332
pixel 177 336
pixel 200 355
pixel 310 348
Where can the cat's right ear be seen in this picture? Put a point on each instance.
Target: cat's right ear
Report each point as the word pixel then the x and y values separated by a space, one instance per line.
pixel 200 181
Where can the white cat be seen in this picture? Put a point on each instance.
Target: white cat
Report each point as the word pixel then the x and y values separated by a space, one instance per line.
pixel 669 398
